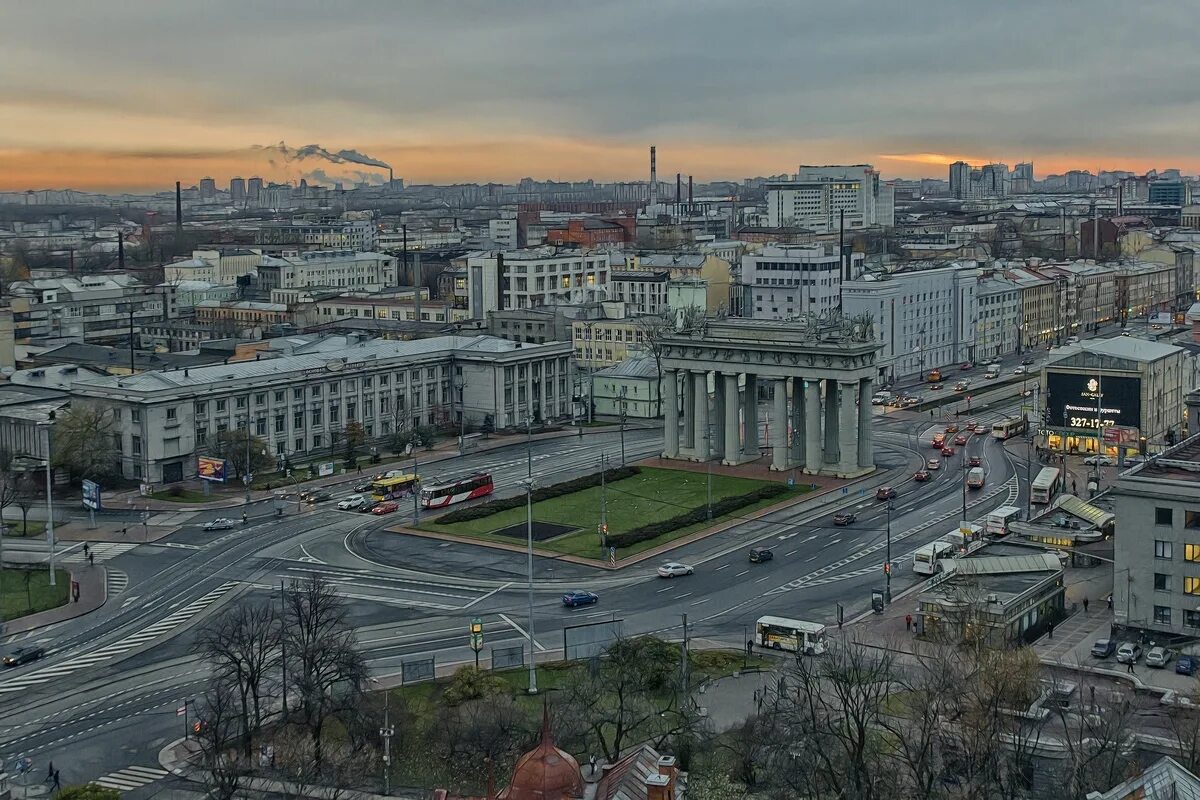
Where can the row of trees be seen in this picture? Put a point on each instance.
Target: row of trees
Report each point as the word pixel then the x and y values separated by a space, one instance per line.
pixel 282 675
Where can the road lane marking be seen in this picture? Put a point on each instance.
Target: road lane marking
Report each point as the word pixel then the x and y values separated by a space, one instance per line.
pixel 792 552
pixel 702 602
pixel 521 631
pixel 723 566
pixel 481 598
pixel 680 597
pixel 740 574
pixel 669 588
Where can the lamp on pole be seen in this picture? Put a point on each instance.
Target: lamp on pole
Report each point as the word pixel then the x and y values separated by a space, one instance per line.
pixel 529 486
pixel 49 498
pixel 887 567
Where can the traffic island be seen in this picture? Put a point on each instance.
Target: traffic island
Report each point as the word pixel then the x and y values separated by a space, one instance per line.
pixel 25 591
pixel 646 511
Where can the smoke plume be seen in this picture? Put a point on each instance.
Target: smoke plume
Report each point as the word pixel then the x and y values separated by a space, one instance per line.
pixel 316 151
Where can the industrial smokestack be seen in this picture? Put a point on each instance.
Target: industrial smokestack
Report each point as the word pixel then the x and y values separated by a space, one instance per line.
pixel 121 250
pixel 178 211
pixel 1120 199
pixel 71 264
pixel 653 176
pixel 418 280
pixel 1096 232
pixel 678 190
pixel 691 207
pixel 499 283
pixel 391 177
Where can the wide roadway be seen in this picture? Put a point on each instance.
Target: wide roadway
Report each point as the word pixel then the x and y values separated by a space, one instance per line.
pixel 106 696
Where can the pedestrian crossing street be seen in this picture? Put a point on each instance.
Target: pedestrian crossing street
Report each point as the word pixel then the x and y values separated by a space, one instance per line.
pixel 103 551
pixel 108 652
pixel 117 582
pixel 133 777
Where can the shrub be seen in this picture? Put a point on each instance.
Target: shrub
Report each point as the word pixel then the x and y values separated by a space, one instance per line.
pixel 719 509
pixel 545 493
pixel 469 683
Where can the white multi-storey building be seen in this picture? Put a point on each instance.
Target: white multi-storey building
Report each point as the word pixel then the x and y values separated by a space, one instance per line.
pixel 923 319
pixel 816 197
pixel 534 277
pixel 292 402
pixel 998 318
pixel 785 281
pixel 503 231
pixel 643 291
pixel 368 272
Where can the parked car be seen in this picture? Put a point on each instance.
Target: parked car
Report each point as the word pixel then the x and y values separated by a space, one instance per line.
pixel 1158 657
pixel 386 507
pixel 220 524
pixel 1129 653
pixel 760 554
pixel 352 502
pixel 1186 665
pixel 947 451
pixel 673 569
pixel 960 440
pixel 1098 461
pixel 952 427
pixel 976 461
pixel 1019 370
pixel 1026 361
pixel 933 464
pixel 579 597
pixel 966 365
pixel 23 655
pixel 1103 648
pixel 920 476
pixel 885 493
pixel 318 497
pixel 843 519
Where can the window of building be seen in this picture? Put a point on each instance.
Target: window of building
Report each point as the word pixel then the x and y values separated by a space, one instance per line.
pixel 351 411
pixel 298 419
pixel 135 415
pixel 1191 584
pixel 297 394
pixel 367 383
pixel 1162 582
pixel 1162 549
pixel 137 445
pixel 201 409
pixel 299 445
pixel 137 470
pixel 241 402
pixel 279 423
pixel 1162 516
pixel 316 416
pixel 279 396
pixel 260 426
pixel 1191 619
pixel 1162 615
pixel 1191 552
pixel 316 391
pixel 316 440
pixel 172 414
pixel 1191 519
pixel 201 435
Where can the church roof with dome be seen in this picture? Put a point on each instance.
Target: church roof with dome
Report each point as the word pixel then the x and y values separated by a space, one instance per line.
pixel 545 772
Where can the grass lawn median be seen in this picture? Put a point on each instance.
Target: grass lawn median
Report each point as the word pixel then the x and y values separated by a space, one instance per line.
pixel 184 496
pixel 651 496
pixel 14 529
pixel 27 591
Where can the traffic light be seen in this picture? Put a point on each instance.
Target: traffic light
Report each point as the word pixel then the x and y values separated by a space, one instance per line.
pixel 887 568
pixel 197 726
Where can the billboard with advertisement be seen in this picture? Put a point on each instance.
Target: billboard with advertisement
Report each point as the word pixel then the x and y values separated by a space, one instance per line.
pixel 91 495
pixel 209 468
pixel 1072 400
pixel 325 469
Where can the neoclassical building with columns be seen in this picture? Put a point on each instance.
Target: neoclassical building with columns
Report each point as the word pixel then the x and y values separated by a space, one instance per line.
pixel 816 372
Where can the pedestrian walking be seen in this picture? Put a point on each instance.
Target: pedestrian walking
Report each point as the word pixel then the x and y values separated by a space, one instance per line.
pixel 50 770
pixel 85 548
pixel 91 559
pixel 124 530
pixel 1085 605
pixel 1110 601
pixel 57 785
pixel 592 764
pixel 1092 692
pixel 908 622
pixel 1050 630
pixel 1129 667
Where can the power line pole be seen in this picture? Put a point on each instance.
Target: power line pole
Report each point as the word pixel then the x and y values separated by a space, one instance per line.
pixel 887 567
pixel 603 501
pixel 387 732
pixel 624 389
pixel 283 645
pixel 529 548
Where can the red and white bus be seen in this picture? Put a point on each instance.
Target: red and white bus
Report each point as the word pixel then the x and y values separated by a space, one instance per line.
pixel 458 490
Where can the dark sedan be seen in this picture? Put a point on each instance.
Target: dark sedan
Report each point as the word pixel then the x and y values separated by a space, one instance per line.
pixel 843 519
pixel 23 655
pixel 579 597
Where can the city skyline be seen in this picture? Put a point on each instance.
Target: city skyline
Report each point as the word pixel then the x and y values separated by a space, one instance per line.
pixel 138 96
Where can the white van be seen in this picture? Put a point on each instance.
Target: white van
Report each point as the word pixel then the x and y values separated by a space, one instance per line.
pixel 881 398
pixel 993 371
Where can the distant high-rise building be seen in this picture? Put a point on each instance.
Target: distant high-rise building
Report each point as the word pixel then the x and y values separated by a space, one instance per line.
pixel 960 180
pixel 208 188
pixel 237 190
pixel 816 197
pixel 994 180
pixel 254 188
pixel 1022 178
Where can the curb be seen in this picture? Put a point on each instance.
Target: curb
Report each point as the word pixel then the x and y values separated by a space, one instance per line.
pixel 8 627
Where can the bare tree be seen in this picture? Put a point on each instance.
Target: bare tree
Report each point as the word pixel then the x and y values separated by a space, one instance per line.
pixel 85 442
pixel 242 644
pixel 326 671
pixel 218 734
pixel 9 483
pixel 27 497
pixel 651 330
pixel 1097 736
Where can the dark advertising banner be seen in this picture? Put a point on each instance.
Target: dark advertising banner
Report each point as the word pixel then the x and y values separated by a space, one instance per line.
pixel 1072 400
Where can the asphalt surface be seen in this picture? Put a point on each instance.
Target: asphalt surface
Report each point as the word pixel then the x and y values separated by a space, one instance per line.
pixel 105 699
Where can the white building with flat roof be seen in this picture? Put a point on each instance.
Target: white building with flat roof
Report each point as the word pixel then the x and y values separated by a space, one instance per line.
pixel 786 281
pixel 816 198
pixel 292 401
pixel 534 277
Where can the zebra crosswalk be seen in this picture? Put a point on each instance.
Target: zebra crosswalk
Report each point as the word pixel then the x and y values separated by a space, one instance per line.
pixel 132 777
pixel 117 582
pixel 111 651
pixel 103 551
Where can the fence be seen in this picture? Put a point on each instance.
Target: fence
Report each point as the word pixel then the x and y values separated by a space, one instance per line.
pixel 417 670
pixel 590 640
pixel 505 657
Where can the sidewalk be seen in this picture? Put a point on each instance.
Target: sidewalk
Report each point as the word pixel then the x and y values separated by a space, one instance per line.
pixel 93 593
pixel 235 496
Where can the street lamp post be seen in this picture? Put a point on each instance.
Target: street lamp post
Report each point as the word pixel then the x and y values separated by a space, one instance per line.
pixel 887 571
pixel 49 500
pixel 529 486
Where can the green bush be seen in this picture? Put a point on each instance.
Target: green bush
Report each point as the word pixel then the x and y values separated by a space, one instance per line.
pixel 719 509
pixel 545 493
pixel 469 683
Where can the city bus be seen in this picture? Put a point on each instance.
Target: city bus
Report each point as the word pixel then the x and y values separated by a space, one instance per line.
pixel 1046 485
pixel 997 520
pixel 934 376
pixel 1008 428
pixel 797 635
pixel 927 556
pixel 391 488
pixel 457 490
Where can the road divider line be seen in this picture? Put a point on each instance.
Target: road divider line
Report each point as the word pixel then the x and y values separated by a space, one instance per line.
pixel 521 631
pixel 481 598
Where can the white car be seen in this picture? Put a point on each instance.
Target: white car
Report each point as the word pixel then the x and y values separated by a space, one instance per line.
pixel 1129 653
pixel 219 524
pixel 674 569
pixel 933 463
pixel 1158 657
pixel 1098 461
pixel 1019 370
pixel 352 502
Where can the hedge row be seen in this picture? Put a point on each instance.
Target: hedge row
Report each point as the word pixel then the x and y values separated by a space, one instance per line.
pixel 719 509
pixel 545 493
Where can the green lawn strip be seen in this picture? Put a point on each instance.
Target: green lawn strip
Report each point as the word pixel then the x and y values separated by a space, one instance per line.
pixel 184 496
pixel 655 494
pixel 14 529
pixel 29 591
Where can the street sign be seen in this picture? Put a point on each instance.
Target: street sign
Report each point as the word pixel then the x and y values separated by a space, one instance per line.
pixel 477 634
pixel 91 495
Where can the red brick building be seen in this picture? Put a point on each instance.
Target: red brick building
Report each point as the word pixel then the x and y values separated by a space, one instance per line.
pixel 590 231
